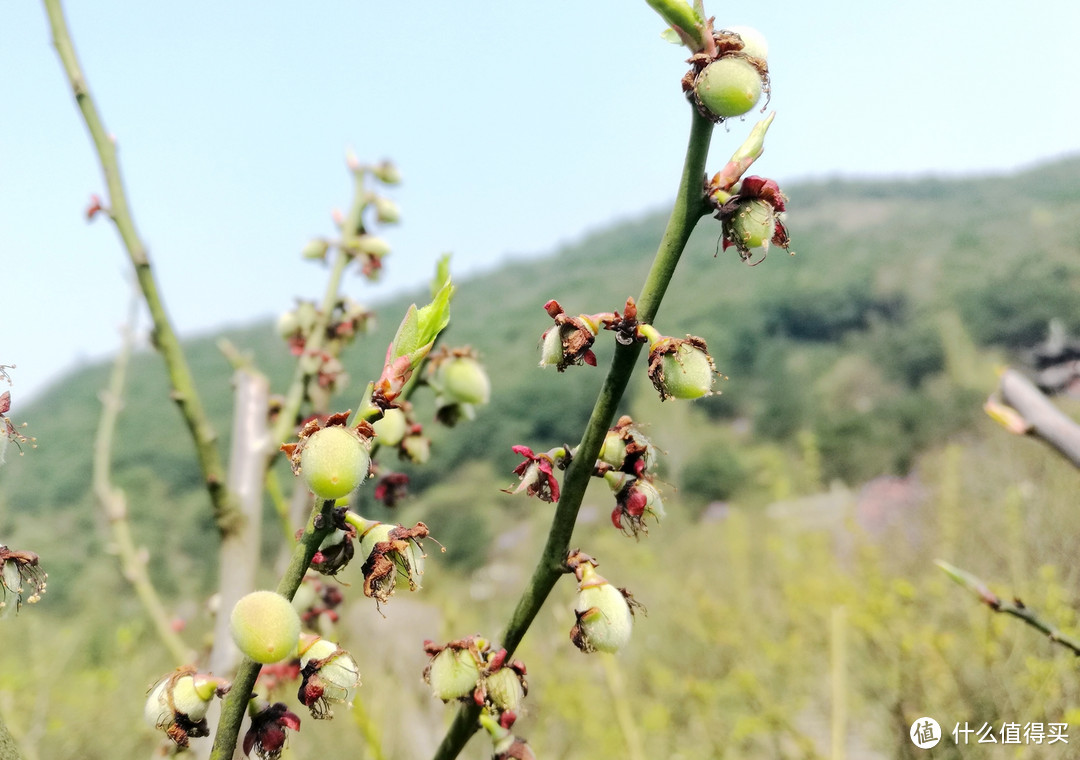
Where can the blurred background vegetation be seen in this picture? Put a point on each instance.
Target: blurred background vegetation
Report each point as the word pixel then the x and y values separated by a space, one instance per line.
pixel 791 591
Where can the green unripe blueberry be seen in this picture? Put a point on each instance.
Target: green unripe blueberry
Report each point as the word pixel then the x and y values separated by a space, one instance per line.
pixel 452 674
pixel 288 324
pixel 265 626
pixel 464 379
pixel 551 352
pixel 334 462
pixel 338 672
pixel 504 689
pixel 688 373
pixel 754 224
pixel 391 427
pixel 605 621
pixel 316 249
pixel 729 87
pixel 754 42
pixel 613 451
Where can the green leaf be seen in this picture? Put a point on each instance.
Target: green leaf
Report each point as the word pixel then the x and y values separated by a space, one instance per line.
pixel 442 274
pixel 670 35
pixel 435 316
pixel 420 326
pixel 405 340
pixel 681 16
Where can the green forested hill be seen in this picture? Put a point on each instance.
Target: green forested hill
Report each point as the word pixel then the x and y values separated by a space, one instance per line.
pixel 872 340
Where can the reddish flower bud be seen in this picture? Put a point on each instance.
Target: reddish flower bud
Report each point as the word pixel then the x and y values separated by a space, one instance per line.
pixel 626 449
pixel 636 500
pixel 266 734
pixel 536 472
pixel 753 217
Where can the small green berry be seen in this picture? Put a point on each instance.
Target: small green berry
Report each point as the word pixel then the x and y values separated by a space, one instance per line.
pixel 754 42
pixel 687 373
pixel 464 380
pixel 334 462
pixel 729 87
pixel 605 620
pixel 391 428
pixel 452 674
pixel 753 225
pixel 315 249
pixel 265 626
pixel 288 324
pixel 613 450
pixel 330 674
pixel 551 352
pixel 505 689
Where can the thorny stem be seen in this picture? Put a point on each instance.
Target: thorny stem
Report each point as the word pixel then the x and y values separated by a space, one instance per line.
pixel 319 526
pixel 1016 608
pixel 688 209
pixel 226 516
pixel 114 504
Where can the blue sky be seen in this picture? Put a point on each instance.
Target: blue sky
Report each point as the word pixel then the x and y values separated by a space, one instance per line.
pixel 517 127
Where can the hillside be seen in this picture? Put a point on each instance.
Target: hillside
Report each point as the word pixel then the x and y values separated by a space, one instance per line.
pixel 868 353
pixel 862 339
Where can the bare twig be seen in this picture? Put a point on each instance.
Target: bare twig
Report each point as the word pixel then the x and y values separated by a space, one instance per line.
pixel 1016 608
pixel 1034 415
pixel 226 516
pixel 114 504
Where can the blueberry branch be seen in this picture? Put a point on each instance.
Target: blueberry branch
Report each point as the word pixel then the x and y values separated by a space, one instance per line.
pixel 308 365
pixel 319 526
pixel 226 516
pixel 1016 608
pixel 688 209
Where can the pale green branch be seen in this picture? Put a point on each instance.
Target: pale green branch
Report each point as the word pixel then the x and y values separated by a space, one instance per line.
pixel 226 517
pixel 114 505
